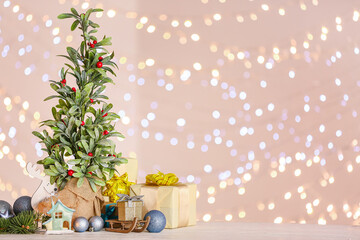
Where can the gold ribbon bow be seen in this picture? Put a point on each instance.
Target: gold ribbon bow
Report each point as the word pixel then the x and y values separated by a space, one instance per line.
pixel 117 185
pixel 162 179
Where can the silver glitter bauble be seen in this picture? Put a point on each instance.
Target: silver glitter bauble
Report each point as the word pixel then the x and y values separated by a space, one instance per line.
pixel 6 211
pixel 81 224
pixel 96 223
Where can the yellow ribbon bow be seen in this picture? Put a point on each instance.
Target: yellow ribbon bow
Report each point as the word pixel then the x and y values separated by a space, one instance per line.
pixel 117 185
pixel 162 179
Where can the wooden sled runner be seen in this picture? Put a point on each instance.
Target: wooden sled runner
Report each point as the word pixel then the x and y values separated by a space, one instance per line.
pixel 128 226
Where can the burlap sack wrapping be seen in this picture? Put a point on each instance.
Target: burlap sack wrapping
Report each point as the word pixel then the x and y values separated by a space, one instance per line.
pixel 84 200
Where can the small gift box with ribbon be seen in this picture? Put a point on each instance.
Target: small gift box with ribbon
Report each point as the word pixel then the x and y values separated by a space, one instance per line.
pixel 129 207
pixel 163 192
pixel 109 212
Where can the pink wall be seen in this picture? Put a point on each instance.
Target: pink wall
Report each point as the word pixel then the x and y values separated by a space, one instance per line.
pixel 284 117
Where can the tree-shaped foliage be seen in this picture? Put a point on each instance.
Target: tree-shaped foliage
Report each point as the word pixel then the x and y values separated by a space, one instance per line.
pixel 82 123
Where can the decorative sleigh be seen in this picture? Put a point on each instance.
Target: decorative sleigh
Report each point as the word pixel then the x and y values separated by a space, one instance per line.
pixel 122 226
pixel 128 208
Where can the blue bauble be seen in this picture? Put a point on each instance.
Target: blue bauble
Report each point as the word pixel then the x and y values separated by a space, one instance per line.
pixel 157 221
pixel 22 204
pixel 81 224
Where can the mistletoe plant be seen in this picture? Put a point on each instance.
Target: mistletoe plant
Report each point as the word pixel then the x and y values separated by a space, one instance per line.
pixel 79 128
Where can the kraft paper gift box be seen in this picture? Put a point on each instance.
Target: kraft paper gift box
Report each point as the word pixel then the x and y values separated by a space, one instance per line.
pixel 128 210
pixel 178 202
pixel 131 168
pixel 129 207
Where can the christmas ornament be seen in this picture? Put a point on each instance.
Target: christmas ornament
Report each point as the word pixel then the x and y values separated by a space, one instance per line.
pixel 117 185
pixel 70 172
pixel 22 204
pixel 45 189
pixel 157 221
pixel 162 179
pixel 81 224
pixel 96 223
pixel 6 211
pixel 99 64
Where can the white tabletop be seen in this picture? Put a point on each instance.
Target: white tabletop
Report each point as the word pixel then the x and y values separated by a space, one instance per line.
pixel 221 230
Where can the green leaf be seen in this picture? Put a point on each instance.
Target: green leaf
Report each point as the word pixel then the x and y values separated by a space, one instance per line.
pixel 99 182
pixel 59 167
pixel 65 15
pixel 64 141
pixel 51 97
pixel 68 150
pixel 78 175
pixel 91 133
pixel 92 184
pixel 53 169
pixel 54 86
pixel 74 25
pixel 76 169
pixel 39 135
pixel 85 145
pixel 97 10
pixel 92 168
pixel 48 161
pixel 49 172
pixel 105 42
pixel 74 161
pixel 105 143
pixel 73 10
pixel 77 122
pixel 80 182
pixel 73 109
pixel 52 179
pixel 88 88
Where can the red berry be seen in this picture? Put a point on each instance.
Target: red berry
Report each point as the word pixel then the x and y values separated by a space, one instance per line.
pixel 102 111
pixel 82 123
pixel 63 81
pixel 74 89
pixel 105 115
pixel 92 45
pixel 90 154
pixel 70 172
pixel 90 173
pixel 88 44
pixel 101 58
pixel 114 155
pixel 91 100
pixel 95 42
pixel 109 155
pixel 99 64
pixel 106 132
